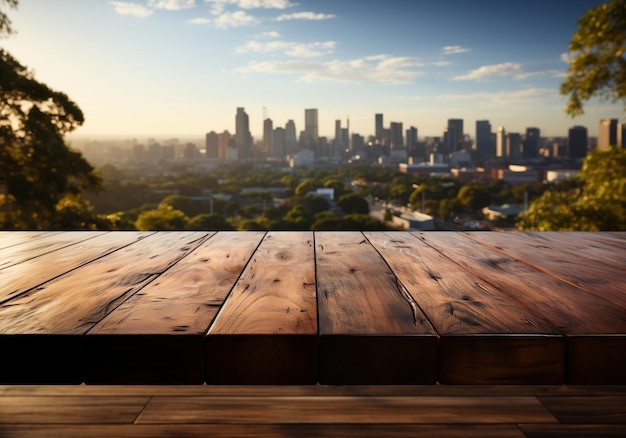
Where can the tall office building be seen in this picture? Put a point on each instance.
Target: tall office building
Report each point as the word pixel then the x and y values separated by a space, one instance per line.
pixel 278 143
pixel 243 138
pixel 311 127
pixel 531 143
pixel 607 133
pixel 501 143
pixel 268 135
pixel 455 135
pixel 577 141
pixel 411 139
pixel 379 126
pixel 484 143
pixel 396 134
pixel 211 145
pixel 337 130
pixel 514 146
pixel 291 140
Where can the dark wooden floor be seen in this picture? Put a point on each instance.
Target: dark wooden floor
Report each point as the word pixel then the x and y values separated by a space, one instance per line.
pixel 386 334
pixel 312 411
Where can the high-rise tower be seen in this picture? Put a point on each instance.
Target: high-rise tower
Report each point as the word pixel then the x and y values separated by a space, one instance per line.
pixel 484 142
pixel 379 126
pixel 311 127
pixel 243 138
pixel 607 133
pixel 455 135
pixel 577 142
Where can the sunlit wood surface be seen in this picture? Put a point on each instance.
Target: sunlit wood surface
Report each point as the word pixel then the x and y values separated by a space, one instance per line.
pixel 308 307
pixel 308 334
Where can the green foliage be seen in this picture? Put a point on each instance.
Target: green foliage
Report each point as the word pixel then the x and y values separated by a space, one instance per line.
pixel 38 170
pixel 597 52
pixel 354 222
pixel 473 197
pixel 595 202
pixel 213 222
pixel 163 218
pixel 353 203
pixel 308 185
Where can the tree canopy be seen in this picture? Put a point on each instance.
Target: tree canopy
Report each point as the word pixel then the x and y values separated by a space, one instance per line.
pixel 595 201
pixel 39 171
pixel 597 57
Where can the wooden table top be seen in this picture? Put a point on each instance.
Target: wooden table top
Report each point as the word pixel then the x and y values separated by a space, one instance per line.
pixel 303 307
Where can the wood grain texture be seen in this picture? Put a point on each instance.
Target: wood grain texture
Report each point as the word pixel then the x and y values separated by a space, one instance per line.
pixel 157 335
pixel 573 431
pixel 485 336
pixel 599 279
pixel 70 410
pixel 596 247
pixel 346 410
pixel 590 358
pixel 587 410
pixel 266 331
pixel 371 330
pixel 38 245
pixel 12 238
pixel 264 430
pixel 41 329
pixel 17 279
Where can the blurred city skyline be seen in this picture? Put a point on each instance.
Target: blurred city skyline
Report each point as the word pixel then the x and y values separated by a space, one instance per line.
pixel 180 68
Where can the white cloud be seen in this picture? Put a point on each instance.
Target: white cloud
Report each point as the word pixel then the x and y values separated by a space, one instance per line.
pixel 304 16
pixel 492 71
pixel 199 20
pixel 133 9
pixel 565 57
pixel 270 34
pixel 235 19
pixel 172 5
pixel 299 50
pixel 380 68
pixel 219 6
pixel 453 50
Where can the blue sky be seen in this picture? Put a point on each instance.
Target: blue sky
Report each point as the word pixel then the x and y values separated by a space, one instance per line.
pixel 182 67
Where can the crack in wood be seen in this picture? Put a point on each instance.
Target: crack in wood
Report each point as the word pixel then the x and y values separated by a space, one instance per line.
pixel 409 299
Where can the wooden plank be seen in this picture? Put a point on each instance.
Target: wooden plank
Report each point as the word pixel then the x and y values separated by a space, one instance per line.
pixel 263 430
pixel 266 331
pixel 485 336
pixel 41 330
pixel 42 245
pixel 594 247
pixel 371 331
pixel 157 335
pixel 11 238
pixel 346 410
pixel 28 275
pixel 596 346
pixel 573 430
pixel 70 410
pixel 601 280
pixel 587 410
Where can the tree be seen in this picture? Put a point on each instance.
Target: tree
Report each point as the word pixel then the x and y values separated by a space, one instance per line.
pixel 473 197
pixel 353 203
pixel 595 202
pixel 38 171
pixel 163 218
pixel 597 57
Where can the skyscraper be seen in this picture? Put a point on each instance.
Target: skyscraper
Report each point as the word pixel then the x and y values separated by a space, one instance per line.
pixel 396 134
pixel 291 140
pixel 514 146
pixel 484 143
pixel 607 133
pixel 243 138
pixel 577 142
pixel 455 135
pixel 278 143
pixel 501 143
pixel 379 126
pixel 211 146
pixel 268 135
pixel 310 124
pixel 531 143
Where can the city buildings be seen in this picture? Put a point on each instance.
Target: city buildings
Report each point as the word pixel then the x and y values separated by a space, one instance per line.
pixel 607 133
pixel 577 142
